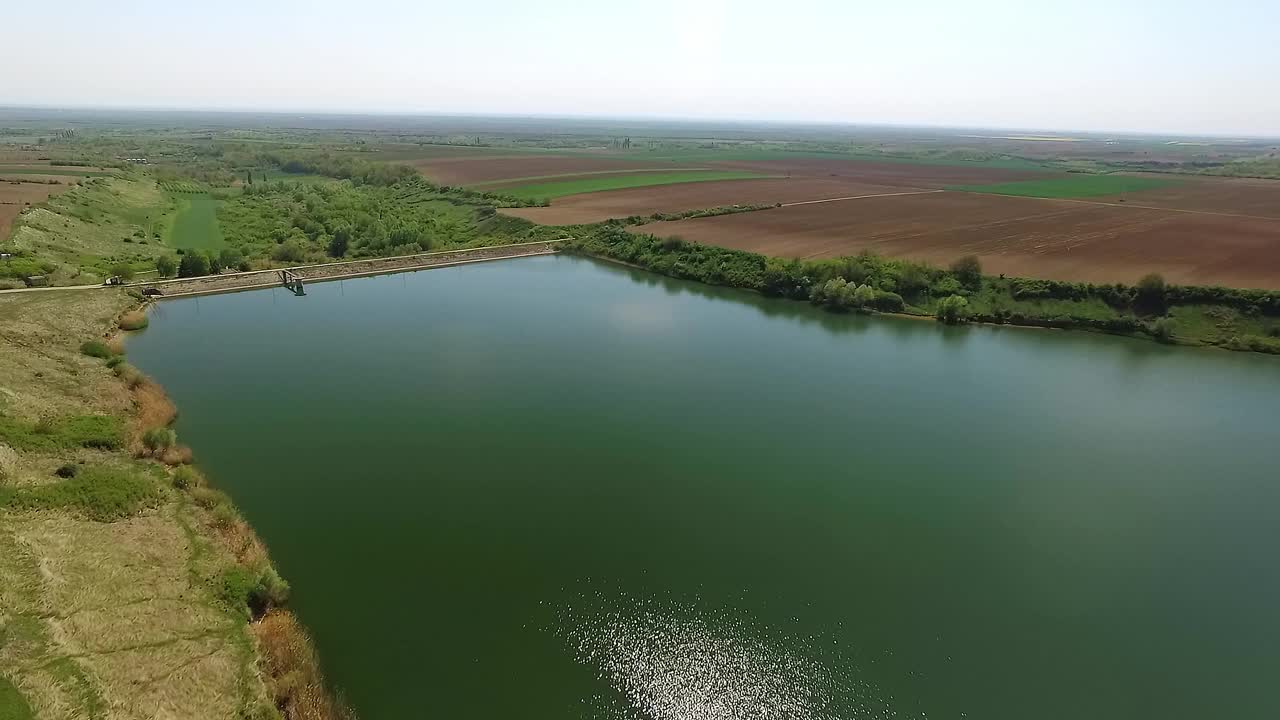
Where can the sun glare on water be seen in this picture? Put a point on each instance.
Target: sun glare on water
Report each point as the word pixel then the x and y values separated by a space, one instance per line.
pixel 670 660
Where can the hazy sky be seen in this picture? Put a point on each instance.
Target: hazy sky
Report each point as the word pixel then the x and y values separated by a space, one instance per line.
pixel 1158 65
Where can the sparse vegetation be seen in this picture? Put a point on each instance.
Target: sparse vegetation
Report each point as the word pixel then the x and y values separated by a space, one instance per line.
pixel 133 320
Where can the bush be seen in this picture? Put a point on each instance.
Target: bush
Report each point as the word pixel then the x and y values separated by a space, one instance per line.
pixel 157 440
pixel 252 593
pixel 122 270
pixel 968 270
pixel 1150 297
pixel 193 264
pixel 1162 329
pixel 185 478
pixel 114 361
pixel 97 349
pixel 953 310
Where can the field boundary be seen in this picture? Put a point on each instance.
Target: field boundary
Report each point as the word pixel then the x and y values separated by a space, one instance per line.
pixel 859 197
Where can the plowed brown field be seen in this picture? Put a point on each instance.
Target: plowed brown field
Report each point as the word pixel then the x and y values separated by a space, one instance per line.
pixel 1032 237
pixel 472 170
pixel 1239 196
pixel 15 196
pixel 600 206
pixel 891 173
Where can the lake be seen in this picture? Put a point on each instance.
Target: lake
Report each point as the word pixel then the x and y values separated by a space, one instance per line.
pixel 557 488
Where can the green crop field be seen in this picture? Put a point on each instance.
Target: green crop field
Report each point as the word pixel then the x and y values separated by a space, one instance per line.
pixel 1076 186
pixel 196 224
pixel 561 188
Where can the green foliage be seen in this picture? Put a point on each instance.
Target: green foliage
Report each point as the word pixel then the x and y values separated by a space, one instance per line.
pixel 186 478
pixel 193 264
pixel 252 593
pixel 293 223
pixel 100 493
pixel 158 439
pixel 953 310
pixel 968 271
pixel 1150 295
pixel 90 431
pixel 1075 186
pixel 96 348
pixel 124 271
pixel 166 266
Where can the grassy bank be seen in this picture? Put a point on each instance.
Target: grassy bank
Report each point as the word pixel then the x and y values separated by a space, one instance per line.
pixel 128 587
pixel 1223 317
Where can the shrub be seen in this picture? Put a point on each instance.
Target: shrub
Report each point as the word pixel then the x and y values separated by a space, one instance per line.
pixel 114 361
pixel 253 593
pixel 96 348
pixel 158 440
pixel 968 270
pixel 186 478
pixel 1150 294
pixel 193 264
pixel 167 265
pixel 122 270
pixel 134 320
pixel 953 310
pixel 67 470
pixel 1162 329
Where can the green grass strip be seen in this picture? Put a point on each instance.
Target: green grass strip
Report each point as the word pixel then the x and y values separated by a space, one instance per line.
pixel 596 184
pixel 1077 186
pixel 196 225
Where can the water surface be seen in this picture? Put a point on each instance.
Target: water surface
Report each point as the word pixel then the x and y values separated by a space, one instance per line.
pixel 552 488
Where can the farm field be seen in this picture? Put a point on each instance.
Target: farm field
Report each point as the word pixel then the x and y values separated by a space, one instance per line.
pixel 15 196
pixel 596 183
pixel 887 172
pixel 1238 196
pixel 1031 237
pixel 196 224
pixel 471 170
pixel 600 206
pixel 1074 186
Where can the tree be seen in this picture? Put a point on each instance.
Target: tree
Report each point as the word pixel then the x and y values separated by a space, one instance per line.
pixel 122 271
pixel 166 266
pixel 194 264
pixel 953 310
pixel 1151 294
pixel 340 242
pixel 968 270
pixel 231 258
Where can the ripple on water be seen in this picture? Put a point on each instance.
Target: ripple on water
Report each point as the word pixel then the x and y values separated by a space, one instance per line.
pixel 674 660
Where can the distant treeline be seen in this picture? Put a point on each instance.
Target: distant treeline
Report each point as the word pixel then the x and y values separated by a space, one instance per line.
pixel 960 293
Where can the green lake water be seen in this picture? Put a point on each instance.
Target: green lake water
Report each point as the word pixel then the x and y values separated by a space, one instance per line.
pixel 555 488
